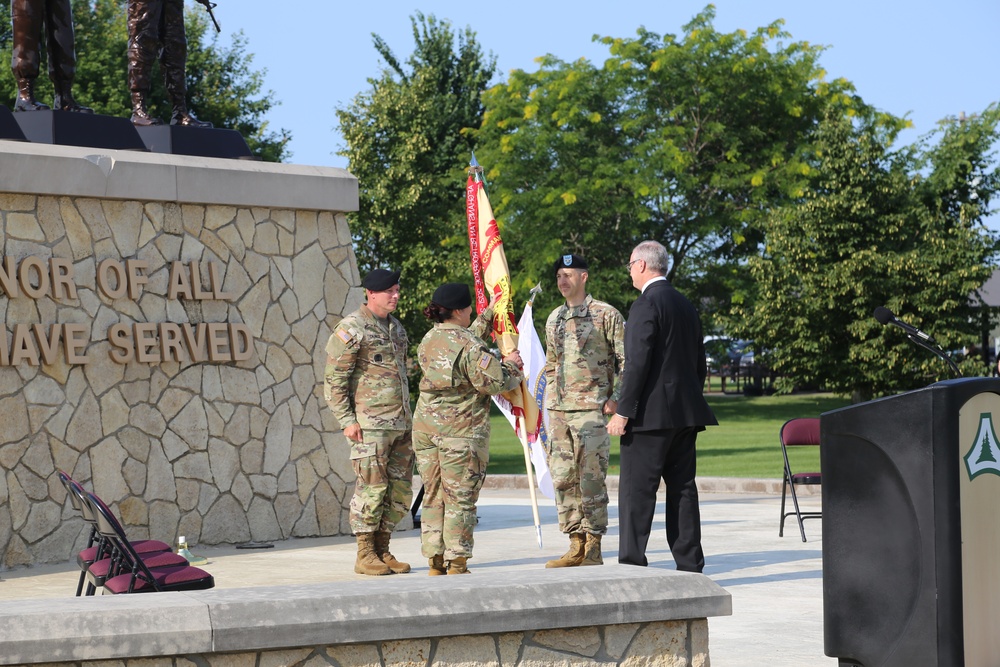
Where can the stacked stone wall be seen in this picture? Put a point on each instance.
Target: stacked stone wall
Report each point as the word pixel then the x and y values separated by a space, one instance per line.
pixel 220 439
pixel 658 644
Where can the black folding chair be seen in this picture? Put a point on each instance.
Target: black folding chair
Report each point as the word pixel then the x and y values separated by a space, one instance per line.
pixel 137 576
pixel 800 432
pixel 89 554
pixel 99 549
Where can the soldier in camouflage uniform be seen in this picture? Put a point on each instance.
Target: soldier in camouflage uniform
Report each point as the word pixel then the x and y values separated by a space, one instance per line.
pixel 585 352
pixel 451 424
pixel 366 388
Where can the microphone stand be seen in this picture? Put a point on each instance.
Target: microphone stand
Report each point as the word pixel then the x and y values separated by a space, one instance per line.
pixel 936 351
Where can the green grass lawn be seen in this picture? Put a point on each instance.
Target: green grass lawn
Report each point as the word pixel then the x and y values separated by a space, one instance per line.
pixel 744 444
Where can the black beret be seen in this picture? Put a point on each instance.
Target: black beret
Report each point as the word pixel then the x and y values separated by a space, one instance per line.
pixel 453 296
pixel 380 280
pixel 570 262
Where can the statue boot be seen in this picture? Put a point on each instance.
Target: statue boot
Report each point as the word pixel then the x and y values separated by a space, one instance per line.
pixel 592 551
pixel 173 78
pixel 26 97
pixel 574 556
pixel 64 99
pixel 437 567
pixel 382 551
pixel 367 561
pixel 181 116
pixel 457 565
pixel 140 114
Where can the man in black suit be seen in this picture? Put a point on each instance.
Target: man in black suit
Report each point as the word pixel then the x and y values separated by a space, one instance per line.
pixel 660 413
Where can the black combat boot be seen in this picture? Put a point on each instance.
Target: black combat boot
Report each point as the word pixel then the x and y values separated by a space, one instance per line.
pixel 64 99
pixel 181 116
pixel 140 115
pixel 26 97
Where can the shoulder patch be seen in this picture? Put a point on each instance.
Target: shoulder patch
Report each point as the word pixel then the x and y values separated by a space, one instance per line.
pixel 344 336
pixel 484 361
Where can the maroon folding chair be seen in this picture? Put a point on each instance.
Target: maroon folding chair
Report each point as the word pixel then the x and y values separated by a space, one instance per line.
pixel 137 576
pixel 98 547
pixel 114 560
pixel 800 432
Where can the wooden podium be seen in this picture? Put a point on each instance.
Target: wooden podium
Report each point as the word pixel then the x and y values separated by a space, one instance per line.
pixel 911 528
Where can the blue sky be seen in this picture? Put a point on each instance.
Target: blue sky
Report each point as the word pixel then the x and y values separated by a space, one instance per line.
pixel 928 59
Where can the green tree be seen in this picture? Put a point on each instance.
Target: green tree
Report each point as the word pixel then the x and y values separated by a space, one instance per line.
pixel 687 140
pixel 407 142
pixel 876 226
pixel 222 87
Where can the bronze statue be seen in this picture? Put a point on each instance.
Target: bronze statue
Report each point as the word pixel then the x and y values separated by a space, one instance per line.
pixel 27 18
pixel 157 26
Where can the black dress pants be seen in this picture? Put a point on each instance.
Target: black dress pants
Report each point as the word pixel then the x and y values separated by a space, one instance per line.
pixel 646 458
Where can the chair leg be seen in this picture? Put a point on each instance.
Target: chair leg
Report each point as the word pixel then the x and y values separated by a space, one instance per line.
pixel 781 524
pixel 79 584
pixel 798 513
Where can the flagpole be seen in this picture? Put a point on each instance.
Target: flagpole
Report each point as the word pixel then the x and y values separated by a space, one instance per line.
pixel 523 437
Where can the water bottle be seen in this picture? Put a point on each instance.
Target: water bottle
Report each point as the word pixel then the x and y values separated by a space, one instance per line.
pixel 182 550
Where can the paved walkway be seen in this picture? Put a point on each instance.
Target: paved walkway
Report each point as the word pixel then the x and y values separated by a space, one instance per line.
pixel 776 583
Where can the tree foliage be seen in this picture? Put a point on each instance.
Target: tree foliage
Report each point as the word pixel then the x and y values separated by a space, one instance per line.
pixel 687 140
pixel 407 142
pixel 222 86
pixel 876 226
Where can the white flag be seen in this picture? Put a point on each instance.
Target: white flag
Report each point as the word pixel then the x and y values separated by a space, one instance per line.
pixel 533 355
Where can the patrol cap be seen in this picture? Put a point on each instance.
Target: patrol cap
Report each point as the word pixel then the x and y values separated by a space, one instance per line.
pixel 380 280
pixel 453 296
pixel 570 262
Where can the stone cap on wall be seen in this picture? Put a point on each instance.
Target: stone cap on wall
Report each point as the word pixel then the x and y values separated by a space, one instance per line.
pixel 44 169
pixel 375 609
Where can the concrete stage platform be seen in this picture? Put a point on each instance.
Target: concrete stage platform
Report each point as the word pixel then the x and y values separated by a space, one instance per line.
pixel 775 583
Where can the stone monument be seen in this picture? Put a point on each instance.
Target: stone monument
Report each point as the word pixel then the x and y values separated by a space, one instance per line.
pixel 161 315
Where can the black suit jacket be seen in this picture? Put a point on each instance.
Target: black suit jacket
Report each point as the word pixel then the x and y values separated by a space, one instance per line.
pixel 664 363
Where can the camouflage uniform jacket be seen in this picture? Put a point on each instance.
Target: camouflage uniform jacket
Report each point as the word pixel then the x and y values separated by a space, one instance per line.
pixel 584 355
pixel 365 380
pixel 460 374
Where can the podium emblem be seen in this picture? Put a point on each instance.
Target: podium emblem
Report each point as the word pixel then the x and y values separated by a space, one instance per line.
pixel 984 455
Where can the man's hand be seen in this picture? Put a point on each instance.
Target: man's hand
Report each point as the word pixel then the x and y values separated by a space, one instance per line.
pixel 353 432
pixel 515 357
pixel 617 425
pixel 610 406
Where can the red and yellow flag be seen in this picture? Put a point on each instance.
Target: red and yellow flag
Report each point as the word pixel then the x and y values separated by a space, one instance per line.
pixel 490 274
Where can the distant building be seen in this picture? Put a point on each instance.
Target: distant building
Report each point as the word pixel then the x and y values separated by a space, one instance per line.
pixel 990 328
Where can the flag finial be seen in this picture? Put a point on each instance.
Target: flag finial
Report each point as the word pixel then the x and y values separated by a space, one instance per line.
pixel 475 170
pixel 533 292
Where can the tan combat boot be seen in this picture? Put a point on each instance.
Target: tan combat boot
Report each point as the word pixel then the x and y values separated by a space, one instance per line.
pixel 592 551
pixel 368 562
pixel 457 565
pixel 437 566
pixel 382 551
pixel 574 556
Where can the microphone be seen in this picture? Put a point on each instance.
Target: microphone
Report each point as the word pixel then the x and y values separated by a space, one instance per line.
pixel 886 316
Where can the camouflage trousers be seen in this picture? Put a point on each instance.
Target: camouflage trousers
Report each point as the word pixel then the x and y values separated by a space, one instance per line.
pixel 452 470
pixel 579 447
pixel 383 467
